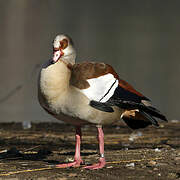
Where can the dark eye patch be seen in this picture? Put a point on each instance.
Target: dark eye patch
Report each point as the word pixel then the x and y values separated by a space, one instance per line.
pixel 64 43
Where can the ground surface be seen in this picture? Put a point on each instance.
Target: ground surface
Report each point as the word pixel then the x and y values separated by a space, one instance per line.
pixel 152 153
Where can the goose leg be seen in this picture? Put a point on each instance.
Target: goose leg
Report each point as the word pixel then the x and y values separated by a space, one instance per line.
pixel 77 157
pixel 102 161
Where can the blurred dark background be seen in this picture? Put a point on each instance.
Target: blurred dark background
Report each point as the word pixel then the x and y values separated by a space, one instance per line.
pixel 141 39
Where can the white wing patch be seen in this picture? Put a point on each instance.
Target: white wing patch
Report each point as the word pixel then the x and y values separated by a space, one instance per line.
pixel 101 88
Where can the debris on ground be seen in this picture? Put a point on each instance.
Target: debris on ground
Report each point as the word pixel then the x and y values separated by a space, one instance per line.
pixel 175 121
pixel 157 150
pixel 130 165
pixel 153 153
pixel 134 136
pixel 26 124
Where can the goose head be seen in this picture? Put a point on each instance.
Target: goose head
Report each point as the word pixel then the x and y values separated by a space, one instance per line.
pixel 63 49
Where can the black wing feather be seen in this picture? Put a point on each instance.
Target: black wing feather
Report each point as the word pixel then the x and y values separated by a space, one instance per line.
pixel 152 120
pixel 129 100
pixel 133 105
pixel 101 106
pixel 123 94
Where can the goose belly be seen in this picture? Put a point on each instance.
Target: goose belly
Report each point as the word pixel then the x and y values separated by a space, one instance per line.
pixel 76 105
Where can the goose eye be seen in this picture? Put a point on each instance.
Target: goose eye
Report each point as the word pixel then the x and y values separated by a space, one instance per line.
pixel 64 43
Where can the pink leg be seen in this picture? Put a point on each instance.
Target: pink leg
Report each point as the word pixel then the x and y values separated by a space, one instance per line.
pixel 102 161
pixel 77 157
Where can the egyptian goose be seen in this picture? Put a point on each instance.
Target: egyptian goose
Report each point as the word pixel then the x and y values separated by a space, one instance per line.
pixel 90 93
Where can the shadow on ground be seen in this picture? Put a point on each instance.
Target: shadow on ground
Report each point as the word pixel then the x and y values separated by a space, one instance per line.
pixel 151 153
